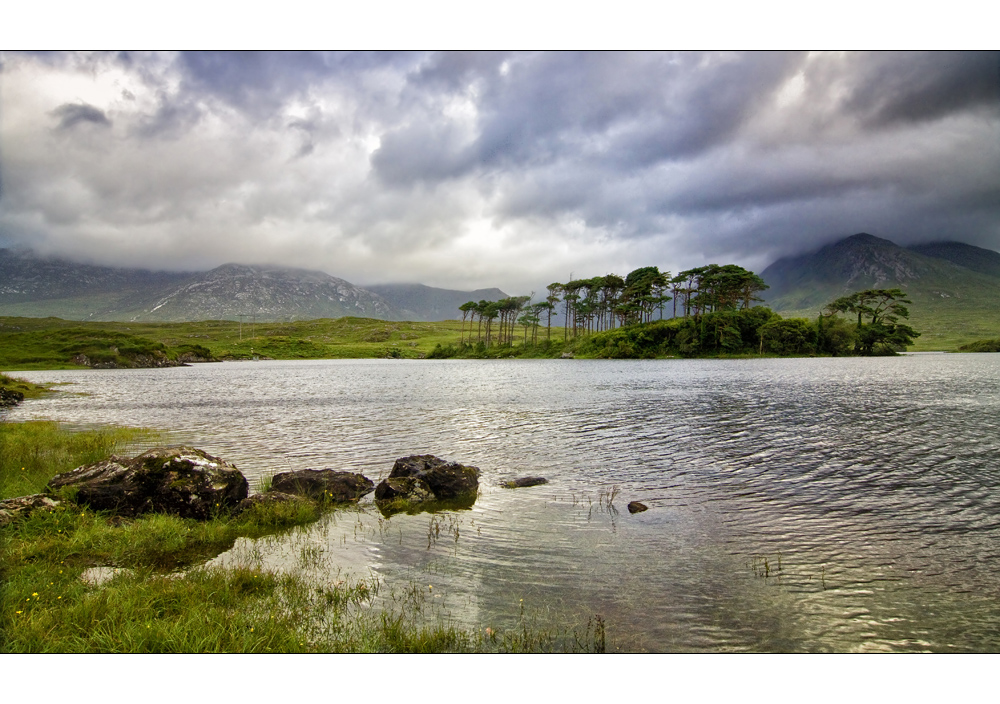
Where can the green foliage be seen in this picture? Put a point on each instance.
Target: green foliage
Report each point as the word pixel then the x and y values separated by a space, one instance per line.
pixel 793 336
pixel 878 330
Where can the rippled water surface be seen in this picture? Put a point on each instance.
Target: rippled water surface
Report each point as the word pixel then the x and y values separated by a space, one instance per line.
pixel 795 505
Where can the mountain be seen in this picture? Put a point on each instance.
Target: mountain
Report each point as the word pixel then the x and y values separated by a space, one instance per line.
pixel 955 287
pixel 33 286
pixel 425 303
pixel 985 261
pixel 266 293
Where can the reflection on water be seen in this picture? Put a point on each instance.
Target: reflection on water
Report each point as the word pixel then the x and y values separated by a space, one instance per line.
pixel 795 505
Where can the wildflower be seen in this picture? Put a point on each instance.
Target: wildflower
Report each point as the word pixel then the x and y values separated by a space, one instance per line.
pixel 58 597
pixel 34 593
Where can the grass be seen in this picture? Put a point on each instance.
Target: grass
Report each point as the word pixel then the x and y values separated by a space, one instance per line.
pixel 51 343
pixel 25 388
pixel 981 346
pixel 33 452
pixel 162 600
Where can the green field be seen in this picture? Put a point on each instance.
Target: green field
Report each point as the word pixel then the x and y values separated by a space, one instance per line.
pixel 50 343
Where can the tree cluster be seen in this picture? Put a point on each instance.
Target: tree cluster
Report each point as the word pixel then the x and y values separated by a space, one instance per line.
pixel 714 312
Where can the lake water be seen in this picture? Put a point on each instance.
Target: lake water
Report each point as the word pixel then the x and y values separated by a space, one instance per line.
pixel 794 504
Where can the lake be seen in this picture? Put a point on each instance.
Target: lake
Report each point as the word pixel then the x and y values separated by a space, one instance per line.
pixel 794 504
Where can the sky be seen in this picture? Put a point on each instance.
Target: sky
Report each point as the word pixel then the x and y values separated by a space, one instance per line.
pixel 479 169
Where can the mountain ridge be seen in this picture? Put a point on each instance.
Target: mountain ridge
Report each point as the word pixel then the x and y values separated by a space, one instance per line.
pixel 34 286
pixel 950 300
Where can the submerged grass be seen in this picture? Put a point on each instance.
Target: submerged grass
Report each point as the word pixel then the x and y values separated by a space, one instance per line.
pixel 160 598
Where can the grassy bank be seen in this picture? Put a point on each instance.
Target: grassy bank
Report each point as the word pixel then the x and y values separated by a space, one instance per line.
pixel 161 600
pixel 51 343
pixel 25 388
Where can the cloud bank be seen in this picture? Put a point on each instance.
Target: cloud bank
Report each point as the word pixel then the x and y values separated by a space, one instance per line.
pixel 492 169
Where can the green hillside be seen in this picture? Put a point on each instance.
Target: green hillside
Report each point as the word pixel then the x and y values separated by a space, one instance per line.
pixel 952 304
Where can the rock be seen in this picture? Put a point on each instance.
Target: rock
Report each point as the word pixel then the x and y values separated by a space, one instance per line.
pixel 9 397
pixel 183 481
pixel 12 509
pixel 636 507
pixel 420 479
pixel 566 355
pixel 323 484
pixel 96 576
pixel 525 481
pixel 404 488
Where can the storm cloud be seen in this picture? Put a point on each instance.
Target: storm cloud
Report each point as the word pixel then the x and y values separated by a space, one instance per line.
pixel 509 169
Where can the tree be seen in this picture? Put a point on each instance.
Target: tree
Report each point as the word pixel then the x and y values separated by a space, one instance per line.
pixel 466 308
pixel 878 329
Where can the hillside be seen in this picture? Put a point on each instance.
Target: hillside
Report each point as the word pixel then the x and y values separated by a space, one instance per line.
pixel 42 286
pixel 984 261
pixel 33 286
pixel 425 303
pixel 264 293
pixel 952 303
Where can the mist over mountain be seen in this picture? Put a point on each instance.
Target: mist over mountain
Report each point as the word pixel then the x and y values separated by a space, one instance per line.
pixel 425 303
pixel 34 286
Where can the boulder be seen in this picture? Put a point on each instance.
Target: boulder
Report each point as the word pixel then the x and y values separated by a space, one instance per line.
pixel 183 481
pixel 323 484
pixel 12 509
pixel 636 507
pixel 420 479
pixel 525 481
pixel 9 397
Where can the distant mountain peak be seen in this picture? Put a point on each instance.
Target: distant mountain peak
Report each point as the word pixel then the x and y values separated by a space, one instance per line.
pixel 943 271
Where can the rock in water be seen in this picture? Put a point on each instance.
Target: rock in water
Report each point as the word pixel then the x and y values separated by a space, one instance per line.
pixel 422 478
pixel 9 397
pixel 636 507
pixel 323 484
pixel 525 481
pixel 183 481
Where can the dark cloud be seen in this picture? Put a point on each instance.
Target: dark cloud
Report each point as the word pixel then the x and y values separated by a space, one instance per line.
pixel 496 168
pixel 70 115
pixel 889 88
